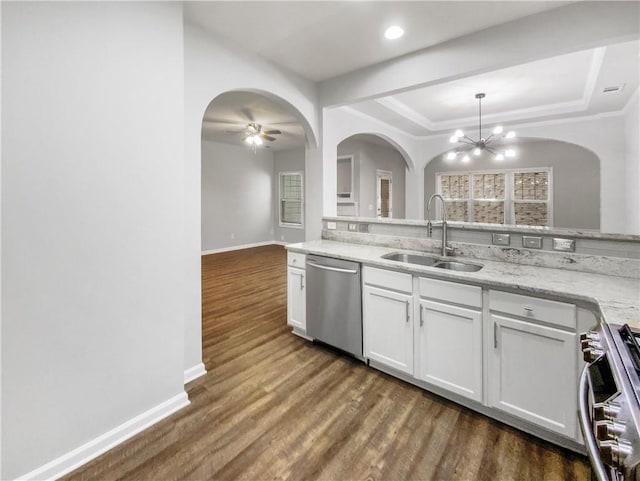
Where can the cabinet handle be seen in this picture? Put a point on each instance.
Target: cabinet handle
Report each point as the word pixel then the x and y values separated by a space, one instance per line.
pixel 495 335
pixel 421 316
pixel 407 307
pixel 528 310
pixel 301 282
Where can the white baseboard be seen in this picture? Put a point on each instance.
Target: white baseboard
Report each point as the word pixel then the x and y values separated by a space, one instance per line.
pixel 243 246
pixel 194 373
pixel 74 459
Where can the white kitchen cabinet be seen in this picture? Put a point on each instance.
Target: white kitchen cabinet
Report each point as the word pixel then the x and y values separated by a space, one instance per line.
pixel 296 293
pixel 388 327
pixel 449 344
pixel 449 337
pixel 533 364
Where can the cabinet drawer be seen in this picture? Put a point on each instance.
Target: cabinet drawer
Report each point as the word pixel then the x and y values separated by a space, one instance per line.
pixel 295 259
pixel 451 292
pixel 552 312
pixel 398 281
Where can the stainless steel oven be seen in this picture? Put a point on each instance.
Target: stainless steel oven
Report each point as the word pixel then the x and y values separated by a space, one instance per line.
pixel 609 403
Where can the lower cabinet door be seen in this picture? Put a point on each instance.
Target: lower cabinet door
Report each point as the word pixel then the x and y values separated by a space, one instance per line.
pixel 296 298
pixel 533 373
pixel 388 328
pixel 450 348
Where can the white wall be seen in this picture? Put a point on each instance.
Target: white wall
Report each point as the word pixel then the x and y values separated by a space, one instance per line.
pixel 292 160
pixel 210 69
pixel 368 157
pixel 92 291
pixel 632 164
pixel 237 195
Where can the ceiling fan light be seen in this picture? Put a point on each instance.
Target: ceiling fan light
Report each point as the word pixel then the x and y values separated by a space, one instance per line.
pixel 453 139
pixel 459 133
pixel 451 155
pixel 466 158
pixel 510 135
pixel 499 157
pixel 498 129
pixel 510 153
pixel 257 140
pixel 249 140
pixel 477 151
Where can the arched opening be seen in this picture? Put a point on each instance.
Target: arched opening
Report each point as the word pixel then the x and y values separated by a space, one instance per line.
pixel 549 183
pixel 250 141
pixel 371 177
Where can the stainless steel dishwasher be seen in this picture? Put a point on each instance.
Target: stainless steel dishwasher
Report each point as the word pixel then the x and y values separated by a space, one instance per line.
pixel 334 303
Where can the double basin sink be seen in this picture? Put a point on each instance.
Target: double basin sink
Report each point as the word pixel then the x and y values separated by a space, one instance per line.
pixel 429 261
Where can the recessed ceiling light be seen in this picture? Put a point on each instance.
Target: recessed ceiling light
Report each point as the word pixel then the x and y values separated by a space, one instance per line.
pixel 394 32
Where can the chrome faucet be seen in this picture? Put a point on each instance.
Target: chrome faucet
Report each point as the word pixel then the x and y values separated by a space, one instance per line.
pixel 445 248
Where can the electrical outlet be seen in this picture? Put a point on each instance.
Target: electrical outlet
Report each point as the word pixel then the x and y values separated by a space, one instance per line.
pixel 565 245
pixel 232 235
pixel 532 242
pixel 281 237
pixel 332 226
pixel 501 239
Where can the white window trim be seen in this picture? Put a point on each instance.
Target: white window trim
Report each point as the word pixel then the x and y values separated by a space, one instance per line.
pixel 289 224
pixel 509 201
pixel 350 199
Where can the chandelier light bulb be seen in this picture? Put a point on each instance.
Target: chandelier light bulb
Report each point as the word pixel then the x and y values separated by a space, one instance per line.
pixel 249 140
pixel 257 140
pixel 498 129
pixel 451 155
pixel 477 151
pixel 510 153
pixel 459 133
pixel 466 158
pixel 510 135
pixel 453 139
pixel 499 157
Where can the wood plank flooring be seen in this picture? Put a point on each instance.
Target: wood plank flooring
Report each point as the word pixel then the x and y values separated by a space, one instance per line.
pixel 275 407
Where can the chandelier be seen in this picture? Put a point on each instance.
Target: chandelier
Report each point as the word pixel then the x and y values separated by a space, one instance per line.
pixel 492 144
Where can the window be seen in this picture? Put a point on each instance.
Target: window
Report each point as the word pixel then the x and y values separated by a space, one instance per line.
pixel 521 197
pixel 291 199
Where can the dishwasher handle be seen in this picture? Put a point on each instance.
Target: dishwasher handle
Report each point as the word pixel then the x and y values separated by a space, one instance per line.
pixel 334 269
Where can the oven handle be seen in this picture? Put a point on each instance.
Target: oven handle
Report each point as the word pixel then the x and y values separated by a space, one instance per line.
pixel 587 432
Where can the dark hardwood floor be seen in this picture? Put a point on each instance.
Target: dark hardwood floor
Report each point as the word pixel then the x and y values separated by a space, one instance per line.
pixel 273 406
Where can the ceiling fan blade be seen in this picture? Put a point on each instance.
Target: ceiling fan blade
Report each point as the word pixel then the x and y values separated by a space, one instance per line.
pixel 247 113
pixel 271 132
pixel 269 138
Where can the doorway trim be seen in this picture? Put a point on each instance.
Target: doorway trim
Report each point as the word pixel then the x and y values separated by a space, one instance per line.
pixel 380 176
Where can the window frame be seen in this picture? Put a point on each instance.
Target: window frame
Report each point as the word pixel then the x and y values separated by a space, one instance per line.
pixel 291 225
pixel 509 193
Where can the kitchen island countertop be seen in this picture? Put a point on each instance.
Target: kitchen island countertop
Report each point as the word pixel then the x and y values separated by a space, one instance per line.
pixel 614 299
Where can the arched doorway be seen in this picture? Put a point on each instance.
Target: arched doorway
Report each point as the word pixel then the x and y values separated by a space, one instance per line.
pixel 371 177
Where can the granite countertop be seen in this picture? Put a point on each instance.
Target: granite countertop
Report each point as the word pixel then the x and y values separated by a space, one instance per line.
pixel 615 299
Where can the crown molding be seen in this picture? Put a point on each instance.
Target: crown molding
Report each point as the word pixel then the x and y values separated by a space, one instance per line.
pixel 405 111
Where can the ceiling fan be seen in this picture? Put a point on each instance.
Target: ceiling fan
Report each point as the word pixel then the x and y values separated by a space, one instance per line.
pixel 254 135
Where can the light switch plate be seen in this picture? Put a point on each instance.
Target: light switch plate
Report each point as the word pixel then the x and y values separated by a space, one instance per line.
pixel 565 245
pixel 532 242
pixel 501 239
pixel 331 225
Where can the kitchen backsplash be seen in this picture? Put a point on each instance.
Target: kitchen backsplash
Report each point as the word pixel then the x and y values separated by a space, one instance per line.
pixel 594 252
